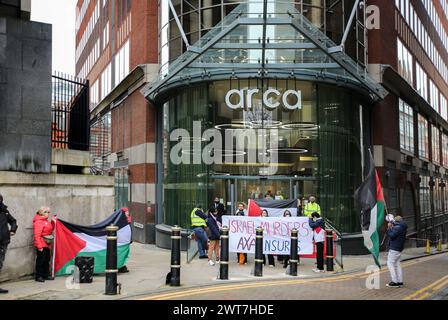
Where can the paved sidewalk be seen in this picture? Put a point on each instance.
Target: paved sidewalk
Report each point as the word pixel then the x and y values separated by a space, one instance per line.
pixel 149 265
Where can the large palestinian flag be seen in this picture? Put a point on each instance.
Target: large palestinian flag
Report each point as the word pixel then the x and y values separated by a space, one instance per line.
pixel 275 208
pixel 371 202
pixel 73 241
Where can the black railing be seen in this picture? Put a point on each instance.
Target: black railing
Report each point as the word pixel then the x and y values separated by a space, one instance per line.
pixel 70 127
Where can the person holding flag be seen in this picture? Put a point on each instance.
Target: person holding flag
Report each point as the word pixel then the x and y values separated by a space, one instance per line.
pixel 396 230
pixel 370 199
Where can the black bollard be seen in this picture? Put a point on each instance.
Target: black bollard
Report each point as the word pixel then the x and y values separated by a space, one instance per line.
pixel 175 256
pixel 293 261
pixel 258 272
pixel 330 254
pixel 224 262
pixel 111 260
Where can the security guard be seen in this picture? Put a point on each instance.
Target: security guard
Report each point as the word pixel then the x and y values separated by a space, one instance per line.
pixel 311 207
pixel 198 223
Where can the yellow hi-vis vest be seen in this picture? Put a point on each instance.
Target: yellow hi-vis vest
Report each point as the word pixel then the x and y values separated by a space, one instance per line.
pixel 197 221
pixel 310 208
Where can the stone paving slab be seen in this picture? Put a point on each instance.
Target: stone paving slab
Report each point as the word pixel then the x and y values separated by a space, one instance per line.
pixel 149 265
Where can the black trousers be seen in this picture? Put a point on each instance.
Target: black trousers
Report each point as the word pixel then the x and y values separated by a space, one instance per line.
pixel 3 249
pixel 271 259
pixel 43 263
pixel 320 255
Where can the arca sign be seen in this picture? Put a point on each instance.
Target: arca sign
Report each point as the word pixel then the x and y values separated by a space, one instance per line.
pixel 245 98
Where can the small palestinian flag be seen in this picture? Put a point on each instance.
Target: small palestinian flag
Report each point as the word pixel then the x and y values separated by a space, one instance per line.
pixel 275 208
pixel 371 201
pixel 73 241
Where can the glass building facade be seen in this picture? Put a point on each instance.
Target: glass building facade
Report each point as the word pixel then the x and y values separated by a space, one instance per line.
pixel 261 101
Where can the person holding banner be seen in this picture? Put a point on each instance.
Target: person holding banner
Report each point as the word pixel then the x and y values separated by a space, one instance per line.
pixel 318 225
pixel 270 256
pixel 241 257
pixel 198 223
pixel 43 230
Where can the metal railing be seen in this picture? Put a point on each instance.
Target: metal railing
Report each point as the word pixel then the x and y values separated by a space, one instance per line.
pixel 70 113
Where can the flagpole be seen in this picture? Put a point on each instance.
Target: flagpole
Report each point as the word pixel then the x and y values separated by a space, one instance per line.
pixel 54 247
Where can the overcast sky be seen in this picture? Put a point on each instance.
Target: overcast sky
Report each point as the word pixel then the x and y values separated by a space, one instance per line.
pixel 62 15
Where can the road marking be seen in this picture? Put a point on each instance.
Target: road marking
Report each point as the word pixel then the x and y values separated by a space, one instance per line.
pixel 423 292
pixel 190 292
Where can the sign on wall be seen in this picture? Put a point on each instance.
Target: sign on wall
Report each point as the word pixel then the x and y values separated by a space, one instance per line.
pixel 276 236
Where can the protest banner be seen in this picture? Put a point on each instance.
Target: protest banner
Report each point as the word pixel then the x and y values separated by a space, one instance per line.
pixel 276 235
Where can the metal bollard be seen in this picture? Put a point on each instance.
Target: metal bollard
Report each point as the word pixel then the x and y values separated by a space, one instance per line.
pixel 111 260
pixel 439 246
pixel 224 262
pixel 293 261
pixel 258 272
pixel 428 247
pixel 330 253
pixel 175 256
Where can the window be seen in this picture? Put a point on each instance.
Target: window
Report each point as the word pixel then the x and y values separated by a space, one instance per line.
pixel 435 144
pixel 405 62
pixel 122 63
pixel 445 150
pixel 443 107
pixel 434 96
pixel 425 203
pixel 422 82
pixel 406 127
pixel 106 82
pixel 106 35
pixel 423 143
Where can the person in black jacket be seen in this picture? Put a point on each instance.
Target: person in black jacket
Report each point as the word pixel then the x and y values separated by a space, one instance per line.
pixel 396 230
pixel 218 206
pixel 5 232
pixel 214 224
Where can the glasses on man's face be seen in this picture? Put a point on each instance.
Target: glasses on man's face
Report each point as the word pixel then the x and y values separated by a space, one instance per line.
pixel 46 211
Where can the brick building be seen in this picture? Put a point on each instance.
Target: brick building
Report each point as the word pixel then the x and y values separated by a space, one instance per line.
pixel 362 87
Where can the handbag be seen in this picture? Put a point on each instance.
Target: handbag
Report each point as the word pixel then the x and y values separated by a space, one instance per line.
pixel 48 239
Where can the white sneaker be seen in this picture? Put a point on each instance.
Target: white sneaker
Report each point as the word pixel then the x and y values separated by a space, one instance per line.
pixel 211 263
pixel 316 270
pixel 217 261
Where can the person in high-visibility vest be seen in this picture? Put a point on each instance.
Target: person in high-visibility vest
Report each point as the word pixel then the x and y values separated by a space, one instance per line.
pixel 198 223
pixel 311 207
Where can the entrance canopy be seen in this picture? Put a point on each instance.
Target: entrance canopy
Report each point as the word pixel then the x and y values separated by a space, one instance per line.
pixel 264 39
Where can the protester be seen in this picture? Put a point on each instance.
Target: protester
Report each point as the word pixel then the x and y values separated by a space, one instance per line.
pixel 218 206
pixel 214 224
pixel 241 257
pixel 198 223
pixel 279 195
pixel 269 195
pixel 271 260
pixel 318 225
pixel 241 211
pixel 311 207
pixel 5 233
pixel 285 258
pixel 396 230
pixel 124 269
pixel 43 230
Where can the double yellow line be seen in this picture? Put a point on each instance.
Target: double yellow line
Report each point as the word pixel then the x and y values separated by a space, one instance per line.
pixel 429 290
pixel 220 288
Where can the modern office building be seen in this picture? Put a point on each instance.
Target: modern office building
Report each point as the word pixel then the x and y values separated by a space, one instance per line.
pixel 246 97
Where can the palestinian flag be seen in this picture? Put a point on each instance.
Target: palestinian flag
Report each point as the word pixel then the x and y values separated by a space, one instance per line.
pixel 275 208
pixel 371 202
pixel 73 241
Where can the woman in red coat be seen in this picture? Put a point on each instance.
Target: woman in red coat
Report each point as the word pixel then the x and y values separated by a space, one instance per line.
pixel 43 229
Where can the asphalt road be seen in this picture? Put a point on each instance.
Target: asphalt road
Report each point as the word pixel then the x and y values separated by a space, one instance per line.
pixel 424 279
